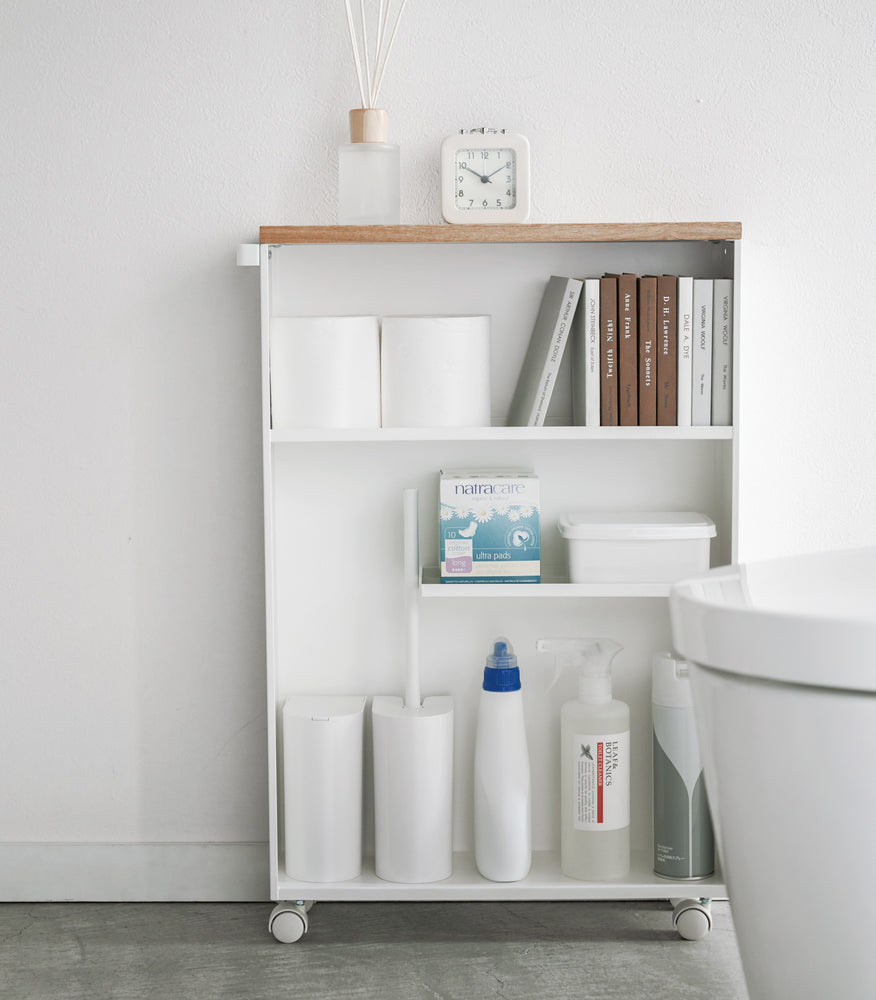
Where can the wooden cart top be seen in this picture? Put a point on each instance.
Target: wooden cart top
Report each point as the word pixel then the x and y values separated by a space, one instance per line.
pixel 588 232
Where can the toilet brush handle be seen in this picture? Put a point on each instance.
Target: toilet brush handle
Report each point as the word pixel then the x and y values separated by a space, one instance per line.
pixel 412 597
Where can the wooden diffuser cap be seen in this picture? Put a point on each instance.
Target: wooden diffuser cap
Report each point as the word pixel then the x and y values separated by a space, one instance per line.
pixel 369 125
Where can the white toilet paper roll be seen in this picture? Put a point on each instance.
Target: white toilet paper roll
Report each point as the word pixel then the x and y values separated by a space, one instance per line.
pixel 325 371
pixel 435 371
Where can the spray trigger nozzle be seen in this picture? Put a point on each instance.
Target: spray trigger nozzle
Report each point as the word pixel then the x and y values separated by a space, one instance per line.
pixel 591 657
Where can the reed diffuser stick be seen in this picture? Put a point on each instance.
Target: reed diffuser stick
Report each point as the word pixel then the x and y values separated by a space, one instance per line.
pixel 381 23
pixel 364 24
pixel 388 50
pixel 371 66
pixel 355 52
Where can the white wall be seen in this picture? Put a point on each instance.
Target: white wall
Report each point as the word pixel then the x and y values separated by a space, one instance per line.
pixel 141 143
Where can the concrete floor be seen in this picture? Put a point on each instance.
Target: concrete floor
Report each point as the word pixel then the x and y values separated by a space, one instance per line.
pixel 391 951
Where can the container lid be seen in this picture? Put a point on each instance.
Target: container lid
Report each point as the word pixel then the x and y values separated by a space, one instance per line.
pixel 323 707
pixel 635 524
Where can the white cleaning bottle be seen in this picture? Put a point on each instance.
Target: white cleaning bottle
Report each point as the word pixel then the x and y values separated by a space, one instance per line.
pixel 594 765
pixel 502 811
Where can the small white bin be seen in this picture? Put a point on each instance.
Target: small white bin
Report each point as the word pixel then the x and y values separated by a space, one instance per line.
pixel 322 763
pixel 636 546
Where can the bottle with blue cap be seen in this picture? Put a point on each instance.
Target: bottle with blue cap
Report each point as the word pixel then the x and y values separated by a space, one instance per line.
pixel 502 808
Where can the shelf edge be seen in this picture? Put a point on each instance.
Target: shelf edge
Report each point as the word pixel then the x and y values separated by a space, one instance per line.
pixel 544 882
pixel 431 587
pixel 585 232
pixel 328 435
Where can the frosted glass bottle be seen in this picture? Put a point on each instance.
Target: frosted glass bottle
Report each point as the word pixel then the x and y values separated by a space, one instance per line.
pixel 368 172
pixel 595 775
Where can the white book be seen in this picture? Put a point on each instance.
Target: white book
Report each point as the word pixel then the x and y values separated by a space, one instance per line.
pixel 538 374
pixel 701 404
pixel 722 353
pixel 592 372
pixel 585 357
pixel 685 350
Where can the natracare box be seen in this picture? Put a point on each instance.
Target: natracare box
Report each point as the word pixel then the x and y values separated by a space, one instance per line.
pixel 489 524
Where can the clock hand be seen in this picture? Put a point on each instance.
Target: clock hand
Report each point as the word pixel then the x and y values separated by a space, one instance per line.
pixel 494 172
pixel 481 177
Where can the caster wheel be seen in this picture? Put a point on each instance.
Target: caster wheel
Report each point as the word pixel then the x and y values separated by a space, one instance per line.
pixel 692 918
pixel 288 922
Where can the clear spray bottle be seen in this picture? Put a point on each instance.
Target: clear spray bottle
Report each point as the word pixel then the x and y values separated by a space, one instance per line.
pixel 594 764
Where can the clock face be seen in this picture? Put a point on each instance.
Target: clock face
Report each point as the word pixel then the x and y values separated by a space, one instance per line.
pixel 485 179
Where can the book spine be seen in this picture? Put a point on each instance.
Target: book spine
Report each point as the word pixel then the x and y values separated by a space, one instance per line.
pixel 647 351
pixel 578 351
pixel 701 406
pixel 590 311
pixel 722 353
pixel 628 351
pixel 608 352
pixel 667 350
pixel 538 374
pixel 685 350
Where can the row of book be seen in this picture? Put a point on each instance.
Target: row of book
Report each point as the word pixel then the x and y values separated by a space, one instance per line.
pixel 646 350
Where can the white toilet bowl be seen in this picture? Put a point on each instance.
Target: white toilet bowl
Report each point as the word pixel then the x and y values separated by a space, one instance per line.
pixel 784 687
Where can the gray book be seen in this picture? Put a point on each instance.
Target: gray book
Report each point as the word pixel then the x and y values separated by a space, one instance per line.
pixel 538 375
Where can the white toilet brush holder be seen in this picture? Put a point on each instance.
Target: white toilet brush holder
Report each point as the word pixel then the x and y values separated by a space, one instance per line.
pixel 413 789
pixel 413 755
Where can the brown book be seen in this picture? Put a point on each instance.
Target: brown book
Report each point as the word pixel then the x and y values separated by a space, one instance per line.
pixel 608 351
pixel 667 350
pixel 627 352
pixel 647 351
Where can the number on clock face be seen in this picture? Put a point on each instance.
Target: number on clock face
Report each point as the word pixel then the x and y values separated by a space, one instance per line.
pixel 485 179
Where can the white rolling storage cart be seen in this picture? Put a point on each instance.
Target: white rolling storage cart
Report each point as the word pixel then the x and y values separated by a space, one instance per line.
pixel 334 540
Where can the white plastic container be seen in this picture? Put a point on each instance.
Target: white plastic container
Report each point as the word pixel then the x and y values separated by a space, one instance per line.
pixel 502 803
pixel 322 784
pixel 636 546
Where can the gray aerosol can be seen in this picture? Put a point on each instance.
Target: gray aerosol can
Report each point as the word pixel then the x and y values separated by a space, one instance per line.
pixel 684 843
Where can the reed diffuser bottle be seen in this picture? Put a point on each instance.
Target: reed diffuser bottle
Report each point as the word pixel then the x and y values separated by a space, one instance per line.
pixel 368 166
pixel 368 172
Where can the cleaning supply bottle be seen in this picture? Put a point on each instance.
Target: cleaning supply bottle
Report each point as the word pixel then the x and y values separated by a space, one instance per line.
pixel 502 811
pixel 684 841
pixel 594 764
